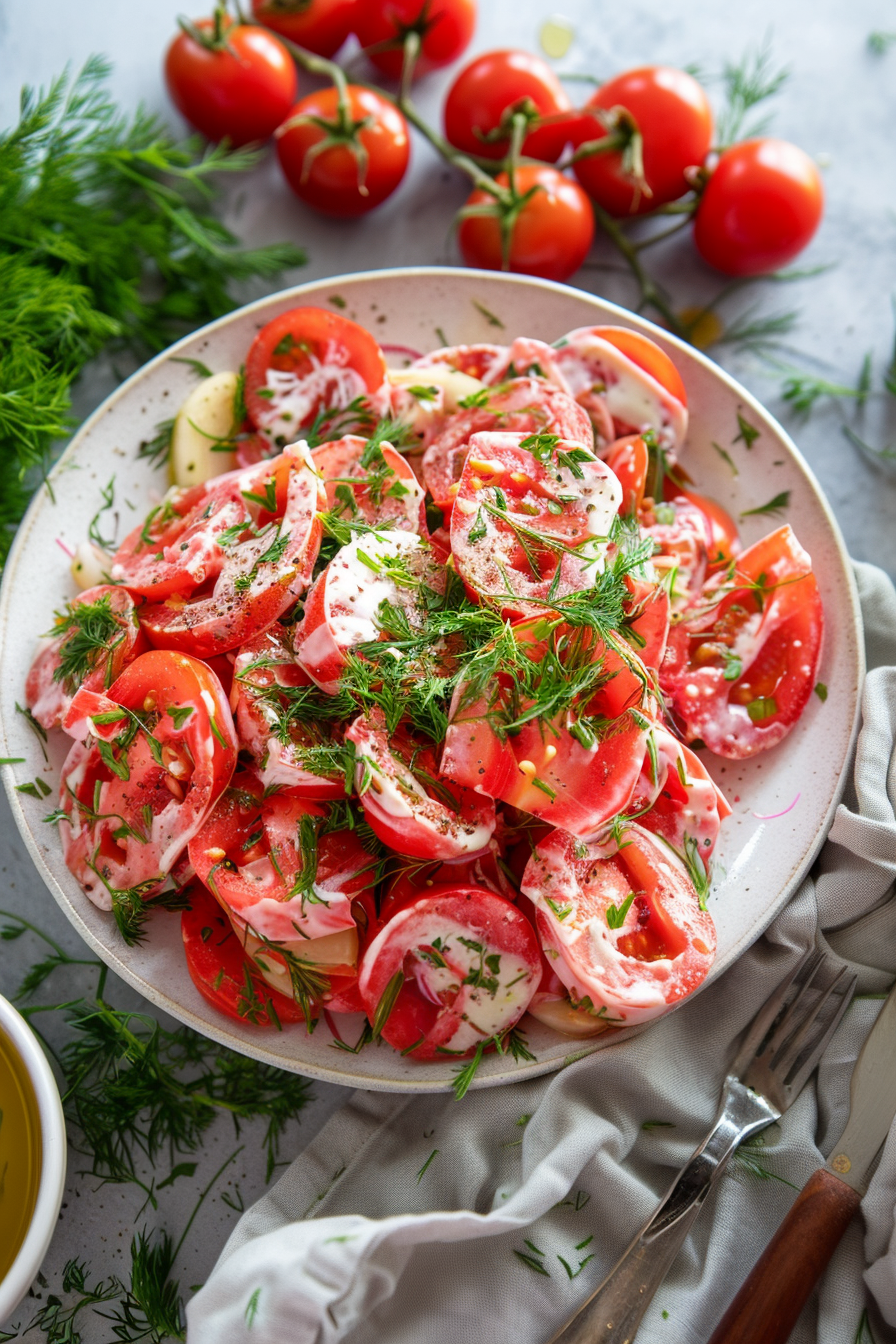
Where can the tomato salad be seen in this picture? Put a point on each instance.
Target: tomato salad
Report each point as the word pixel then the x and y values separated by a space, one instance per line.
pixel 395 693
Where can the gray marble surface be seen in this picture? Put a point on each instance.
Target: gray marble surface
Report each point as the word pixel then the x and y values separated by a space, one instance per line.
pixel 839 104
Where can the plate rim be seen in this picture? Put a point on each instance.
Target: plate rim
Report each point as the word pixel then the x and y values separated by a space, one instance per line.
pixel 577 1048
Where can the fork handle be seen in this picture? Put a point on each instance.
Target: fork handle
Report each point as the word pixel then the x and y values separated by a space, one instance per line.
pixel 613 1313
pixel 767 1306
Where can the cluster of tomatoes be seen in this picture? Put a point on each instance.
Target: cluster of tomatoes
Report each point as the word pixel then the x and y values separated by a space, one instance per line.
pixel 642 142
pixel 411 727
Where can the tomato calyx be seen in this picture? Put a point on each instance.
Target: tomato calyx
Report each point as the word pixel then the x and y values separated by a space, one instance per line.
pixel 214 38
pixel 622 134
pixel 342 131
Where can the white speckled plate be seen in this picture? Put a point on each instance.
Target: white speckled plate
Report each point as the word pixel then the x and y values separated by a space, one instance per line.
pixel 760 861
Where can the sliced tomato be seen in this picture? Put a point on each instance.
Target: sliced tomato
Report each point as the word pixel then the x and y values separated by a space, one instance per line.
pixel 647 617
pixel 265 564
pixel 308 360
pixel 477 361
pixel 625 934
pixel 754 647
pixel 682 536
pixel 725 544
pixel 344 608
pixel 525 529
pixel 267 691
pixel 459 965
pixel 620 371
pixel 269 865
pixel 162 748
pixel 225 976
pixel 177 548
pixel 578 769
pixel 92 641
pixel 523 405
pixel 417 879
pixel 408 804
pixel 371 482
pixel 677 799
pixel 629 460
pixel 529 358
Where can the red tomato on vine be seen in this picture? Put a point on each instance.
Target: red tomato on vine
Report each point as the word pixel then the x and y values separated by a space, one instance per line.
pixel 663 121
pixel 230 80
pixel 445 28
pixel 344 161
pixel 320 25
pixel 486 93
pixel 549 232
pixel 760 207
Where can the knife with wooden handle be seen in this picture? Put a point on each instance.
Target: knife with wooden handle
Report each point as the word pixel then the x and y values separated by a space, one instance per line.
pixel 767 1306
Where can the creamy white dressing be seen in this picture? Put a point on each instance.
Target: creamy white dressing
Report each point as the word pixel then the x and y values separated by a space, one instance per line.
pixel 355 590
pixel 294 398
pixel 630 394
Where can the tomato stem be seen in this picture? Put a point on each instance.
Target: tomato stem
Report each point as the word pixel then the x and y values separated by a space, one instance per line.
pixel 651 294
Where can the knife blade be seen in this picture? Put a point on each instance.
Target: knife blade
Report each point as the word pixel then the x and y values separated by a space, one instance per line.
pixel 766 1308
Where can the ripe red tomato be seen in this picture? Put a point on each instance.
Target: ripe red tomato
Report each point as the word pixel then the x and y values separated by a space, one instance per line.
pixel 318 25
pixel 307 359
pixel 626 934
pixel 462 964
pixel 760 207
pixel 371 482
pixel 551 234
pixel 754 642
pixel 344 170
pixel 162 749
pixel 492 87
pixel 240 85
pixel 672 114
pixel 526 527
pixel 445 28
pixel 224 974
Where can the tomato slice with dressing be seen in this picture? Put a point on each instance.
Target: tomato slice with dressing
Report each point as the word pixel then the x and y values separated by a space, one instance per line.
pixel 677 799
pixel 270 865
pixel 410 806
pixel 225 976
pixel 417 879
pixel 476 361
pixel 266 562
pixel 625 934
pixel 620 371
pixel 344 609
pixel 282 742
pixel 308 360
pixel 647 620
pixel 578 768
pixel 629 461
pixel 754 645
pixel 459 967
pixel 92 641
pixel 522 405
pixel 682 537
pixel 527 530
pixel 371 482
pixel 161 748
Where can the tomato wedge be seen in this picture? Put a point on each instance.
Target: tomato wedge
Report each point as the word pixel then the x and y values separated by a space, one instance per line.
pixel 524 405
pixel 418 879
pixel 625 373
pixel 265 564
pixel 531 524
pixel 308 360
pixel 677 799
pixel 372 482
pixel 754 648
pixel 647 618
pixel 458 967
pixel 344 608
pixel 682 535
pixel 161 749
pixel 91 642
pixel 409 806
pixel 225 976
pixel 578 769
pixel 629 460
pixel 268 863
pixel 282 742
pixel 626 934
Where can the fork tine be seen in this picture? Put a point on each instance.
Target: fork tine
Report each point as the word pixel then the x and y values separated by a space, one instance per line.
pixel 789 1049
pixel 819 1048
pixel 797 1013
pixel 765 1018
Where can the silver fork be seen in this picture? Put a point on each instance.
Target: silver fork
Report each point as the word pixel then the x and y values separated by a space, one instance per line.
pixel 780 1049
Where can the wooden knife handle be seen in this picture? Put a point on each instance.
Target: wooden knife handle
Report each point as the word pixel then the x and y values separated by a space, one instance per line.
pixel 767 1306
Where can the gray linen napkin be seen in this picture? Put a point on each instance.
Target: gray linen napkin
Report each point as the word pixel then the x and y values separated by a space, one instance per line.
pixel 362 1241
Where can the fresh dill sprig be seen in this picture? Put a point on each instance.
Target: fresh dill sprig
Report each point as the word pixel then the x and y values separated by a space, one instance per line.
pixel 89 630
pixel 752 81
pixel 108 241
